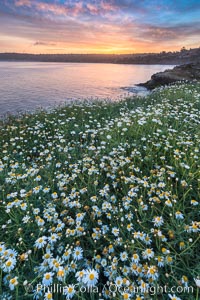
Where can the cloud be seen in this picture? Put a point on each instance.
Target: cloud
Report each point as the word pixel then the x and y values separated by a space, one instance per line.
pixel 86 26
pixel 39 43
pixel 106 6
pixel 52 8
pixel 19 3
pixel 171 33
pixel 68 8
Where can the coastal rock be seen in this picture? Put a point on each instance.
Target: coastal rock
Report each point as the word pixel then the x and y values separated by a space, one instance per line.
pixel 187 72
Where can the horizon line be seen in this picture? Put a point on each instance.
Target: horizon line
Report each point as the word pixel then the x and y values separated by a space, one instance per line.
pixel 116 54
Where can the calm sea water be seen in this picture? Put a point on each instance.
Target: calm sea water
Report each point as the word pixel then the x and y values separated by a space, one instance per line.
pixel 25 86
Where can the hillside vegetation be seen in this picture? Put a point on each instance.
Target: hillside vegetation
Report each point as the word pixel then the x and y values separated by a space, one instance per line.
pixel 102 199
pixel 177 57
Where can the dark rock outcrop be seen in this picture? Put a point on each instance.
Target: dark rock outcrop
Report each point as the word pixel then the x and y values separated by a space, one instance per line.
pixel 187 72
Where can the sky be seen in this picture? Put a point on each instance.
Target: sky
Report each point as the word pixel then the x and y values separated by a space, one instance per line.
pixel 91 26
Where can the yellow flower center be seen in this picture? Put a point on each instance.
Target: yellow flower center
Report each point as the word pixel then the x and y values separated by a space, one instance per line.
pixel 152 271
pixel 185 278
pixel 81 274
pixel 91 276
pixel 70 290
pixel 13 281
pixel 134 266
pixel 60 273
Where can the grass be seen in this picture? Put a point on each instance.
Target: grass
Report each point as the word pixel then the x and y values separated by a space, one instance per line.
pixel 101 200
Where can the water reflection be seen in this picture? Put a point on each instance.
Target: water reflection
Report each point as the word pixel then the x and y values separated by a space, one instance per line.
pixel 26 85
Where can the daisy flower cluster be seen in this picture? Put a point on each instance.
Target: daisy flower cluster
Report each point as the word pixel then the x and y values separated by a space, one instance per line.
pixel 102 195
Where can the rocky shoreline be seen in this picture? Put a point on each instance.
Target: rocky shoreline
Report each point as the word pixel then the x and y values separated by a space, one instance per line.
pixel 187 72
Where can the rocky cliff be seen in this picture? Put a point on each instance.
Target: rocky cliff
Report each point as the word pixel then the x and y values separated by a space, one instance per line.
pixel 187 72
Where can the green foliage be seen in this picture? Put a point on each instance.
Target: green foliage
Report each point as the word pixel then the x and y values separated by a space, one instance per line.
pixel 103 195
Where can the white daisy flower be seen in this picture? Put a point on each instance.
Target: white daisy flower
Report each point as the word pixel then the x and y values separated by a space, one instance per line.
pixel 69 291
pixel 158 221
pixel 197 281
pixel 148 253
pixel 48 296
pixel 9 265
pixel 115 231
pixel 53 238
pixel 135 258
pixel 47 279
pixel 179 215
pixel 123 256
pixel 90 277
pixel 2 249
pixel 41 242
pixel 80 275
pixel 13 282
pixel 118 281
pixel 61 273
pixel 54 195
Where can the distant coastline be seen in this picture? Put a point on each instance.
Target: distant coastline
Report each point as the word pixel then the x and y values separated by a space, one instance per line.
pixel 165 58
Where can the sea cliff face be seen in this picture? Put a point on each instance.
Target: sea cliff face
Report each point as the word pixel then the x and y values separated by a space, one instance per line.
pixel 187 72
